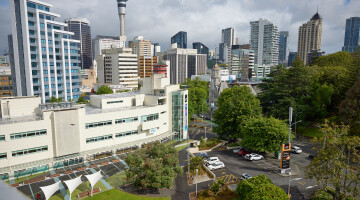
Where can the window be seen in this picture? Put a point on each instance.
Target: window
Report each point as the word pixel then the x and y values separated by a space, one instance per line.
pixel 59 86
pixel 30 14
pixel 32 48
pixel 44 64
pixel 31 32
pixel 48 17
pixel 46 79
pixel 40 7
pixel 34 72
pixel 98 124
pixel 32 40
pixel 27 134
pixel 147 118
pixel 57 43
pixel 45 71
pixel 33 56
pixel 163 112
pixel 2 138
pixel 126 120
pixel 42 25
pixel 47 9
pixel 31 5
pixel 33 64
pixel 49 34
pixel 51 49
pixel 3 156
pixel 41 16
pixel 49 26
pixel 65 50
pixel 43 48
pixel 31 23
pixel 46 86
pixel 65 36
pixel 73 51
pixel 43 41
pixel 128 133
pixel 52 86
pixel 74 71
pixel 73 44
pixel 57 28
pixel 29 151
pixel 50 41
pixel 42 32
pixel 98 139
pixel 56 35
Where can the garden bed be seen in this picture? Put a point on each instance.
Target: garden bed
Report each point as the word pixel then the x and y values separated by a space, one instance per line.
pixel 209 144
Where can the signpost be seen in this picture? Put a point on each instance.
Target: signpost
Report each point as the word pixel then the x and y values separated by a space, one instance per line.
pixel 285 156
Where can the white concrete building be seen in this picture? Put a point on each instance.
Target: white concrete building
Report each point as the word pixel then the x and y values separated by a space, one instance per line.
pixel 118 66
pixel 264 40
pixel 44 57
pixel 106 42
pixel 36 137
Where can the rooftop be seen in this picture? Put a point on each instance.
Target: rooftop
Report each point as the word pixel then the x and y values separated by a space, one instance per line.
pixel 117 95
pixel 316 16
pixel 21 119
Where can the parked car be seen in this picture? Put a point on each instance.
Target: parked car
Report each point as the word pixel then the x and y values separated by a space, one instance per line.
pixel 203 155
pixel 245 176
pixel 211 160
pixel 254 157
pixel 243 152
pixel 238 149
pixel 216 165
pixel 295 149
pixel 311 156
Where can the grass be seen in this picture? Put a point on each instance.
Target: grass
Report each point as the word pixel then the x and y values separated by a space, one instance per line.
pixel 82 188
pixel 21 179
pixel 309 131
pixel 116 194
pixel 117 179
pixel 170 143
pixel 182 147
pixel 235 144
pixel 209 144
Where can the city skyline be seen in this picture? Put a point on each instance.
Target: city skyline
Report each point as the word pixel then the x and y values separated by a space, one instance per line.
pixel 203 20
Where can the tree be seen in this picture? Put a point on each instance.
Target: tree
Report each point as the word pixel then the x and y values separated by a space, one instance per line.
pixel 82 100
pixel 264 134
pixel 196 162
pixel 235 106
pixel 198 94
pixel 258 188
pixel 53 99
pixel 321 99
pixel 154 167
pixel 104 89
pixel 337 162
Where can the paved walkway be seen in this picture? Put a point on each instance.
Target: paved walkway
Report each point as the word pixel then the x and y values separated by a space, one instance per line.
pixel 106 184
pixel 62 188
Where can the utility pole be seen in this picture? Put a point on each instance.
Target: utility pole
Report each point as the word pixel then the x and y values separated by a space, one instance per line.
pixel 290 119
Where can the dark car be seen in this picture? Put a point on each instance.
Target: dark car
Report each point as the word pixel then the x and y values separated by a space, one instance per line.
pixel 203 155
pixel 243 152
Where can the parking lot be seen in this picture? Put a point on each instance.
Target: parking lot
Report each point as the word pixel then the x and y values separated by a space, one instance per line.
pixel 236 165
pixel 110 169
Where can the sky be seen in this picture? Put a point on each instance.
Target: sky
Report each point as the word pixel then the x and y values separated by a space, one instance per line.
pixel 203 20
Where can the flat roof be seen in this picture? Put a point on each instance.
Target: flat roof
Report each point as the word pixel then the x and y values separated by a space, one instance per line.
pixel 20 119
pixel 117 95
pixel 91 110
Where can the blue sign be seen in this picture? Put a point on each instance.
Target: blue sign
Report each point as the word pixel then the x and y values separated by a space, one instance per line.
pixel 186 117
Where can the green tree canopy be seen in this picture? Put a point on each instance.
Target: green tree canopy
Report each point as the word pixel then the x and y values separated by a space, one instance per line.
pixel 264 134
pixel 104 89
pixel 259 187
pixel 198 93
pixel 153 167
pixel 337 162
pixel 235 106
pixel 82 100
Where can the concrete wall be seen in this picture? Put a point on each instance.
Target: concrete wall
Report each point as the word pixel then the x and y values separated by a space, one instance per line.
pixel 16 107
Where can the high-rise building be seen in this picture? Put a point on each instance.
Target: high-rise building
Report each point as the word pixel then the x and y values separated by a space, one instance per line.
pixel 201 48
pixel 118 66
pixel 283 46
pixel 310 37
pixel 5 81
pixel 82 30
pixel 155 48
pixel 242 64
pixel 228 37
pixel 352 35
pixel 292 58
pixel 313 55
pixel 105 42
pixel 140 46
pixel 184 63
pixel 44 57
pixel 161 68
pixel 181 39
pixel 264 40
pixel 122 13
pixel 146 65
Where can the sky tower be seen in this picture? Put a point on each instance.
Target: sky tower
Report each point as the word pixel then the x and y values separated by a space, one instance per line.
pixel 122 12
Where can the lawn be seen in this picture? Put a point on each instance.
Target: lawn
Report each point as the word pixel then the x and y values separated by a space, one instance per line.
pixel 117 179
pixel 182 147
pixel 82 188
pixel 171 142
pixel 116 194
pixel 21 179
pixel 309 131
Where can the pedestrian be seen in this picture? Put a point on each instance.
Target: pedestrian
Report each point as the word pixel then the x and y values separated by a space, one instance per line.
pixel 38 196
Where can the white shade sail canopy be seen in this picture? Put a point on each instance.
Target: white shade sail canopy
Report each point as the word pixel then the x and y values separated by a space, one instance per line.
pixel 50 190
pixel 94 178
pixel 73 184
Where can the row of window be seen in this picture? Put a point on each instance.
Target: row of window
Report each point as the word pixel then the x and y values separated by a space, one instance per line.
pixel 3 156
pixel 40 7
pixel 98 139
pixel 113 102
pixel 98 124
pixel 152 117
pixel 32 32
pixel 126 120
pixel 2 138
pixel 27 134
pixel 128 133
pixel 29 151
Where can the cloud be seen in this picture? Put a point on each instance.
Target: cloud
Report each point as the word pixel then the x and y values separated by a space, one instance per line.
pixel 158 20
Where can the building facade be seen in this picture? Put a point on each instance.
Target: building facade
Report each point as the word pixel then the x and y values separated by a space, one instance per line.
pixel 352 35
pixel 242 64
pixel 105 42
pixel 48 136
pixel 310 35
pixel 283 47
pixel 155 48
pixel 81 28
pixel 184 63
pixel 140 46
pixel 118 66
pixel 201 48
pixel 5 82
pixel 44 57
pixel 146 66
pixel 228 36
pixel 292 58
pixel 264 40
pixel 181 39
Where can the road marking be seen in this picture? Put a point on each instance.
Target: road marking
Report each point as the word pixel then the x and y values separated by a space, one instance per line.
pixel 228 178
pixel 310 187
pixel 302 183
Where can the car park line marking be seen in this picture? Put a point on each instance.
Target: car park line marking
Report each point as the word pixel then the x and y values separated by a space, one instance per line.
pixel 228 178
pixel 32 193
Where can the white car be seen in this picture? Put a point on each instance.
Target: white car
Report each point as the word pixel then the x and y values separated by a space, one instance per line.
pixel 211 160
pixel 296 149
pixel 217 165
pixel 254 156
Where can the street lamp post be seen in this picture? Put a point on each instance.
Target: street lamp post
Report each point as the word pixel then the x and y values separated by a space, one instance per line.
pixel 296 122
pixel 205 132
pixel 196 182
